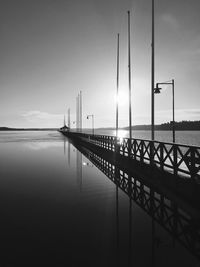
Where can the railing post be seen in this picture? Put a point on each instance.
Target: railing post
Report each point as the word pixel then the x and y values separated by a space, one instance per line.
pixel 142 151
pixel 175 164
pixel 134 149
pixel 161 156
pixel 192 164
pixel 129 148
pixel 175 159
pixel 151 153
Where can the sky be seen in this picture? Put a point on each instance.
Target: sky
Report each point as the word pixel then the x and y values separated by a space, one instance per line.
pixel 52 49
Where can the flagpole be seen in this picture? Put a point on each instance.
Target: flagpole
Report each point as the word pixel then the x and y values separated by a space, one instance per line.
pixel 81 111
pixel 152 73
pixel 129 76
pixel 117 97
pixel 69 118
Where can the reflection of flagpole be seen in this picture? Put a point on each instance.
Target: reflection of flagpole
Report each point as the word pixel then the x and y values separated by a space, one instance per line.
pixel 81 175
pixel 79 168
pixel 69 153
pixel 130 222
pixel 117 175
pixel 64 145
pixel 153 243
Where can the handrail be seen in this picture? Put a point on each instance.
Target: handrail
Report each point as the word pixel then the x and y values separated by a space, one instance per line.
pixel 179 159
pixel 149 140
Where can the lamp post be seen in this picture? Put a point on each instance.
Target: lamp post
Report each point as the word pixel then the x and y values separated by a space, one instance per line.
pixel 152 71
pixel 88 116
pixel 129 76
pixel 117 93
pixel 157 91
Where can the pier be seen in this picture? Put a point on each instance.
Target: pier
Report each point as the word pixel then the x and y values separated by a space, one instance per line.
pixel 173 167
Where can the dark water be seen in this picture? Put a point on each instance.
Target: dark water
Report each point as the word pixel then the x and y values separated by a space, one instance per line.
pixel 58 209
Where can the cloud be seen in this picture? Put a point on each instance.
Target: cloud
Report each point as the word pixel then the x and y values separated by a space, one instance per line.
pixel 193 48
pixel 170 20
pixel 180 114
pixel 193 52
pixel 40 115
pixel 43 119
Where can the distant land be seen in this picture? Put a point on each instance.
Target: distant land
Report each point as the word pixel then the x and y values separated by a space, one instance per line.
pixel 27 129
pixel 179 126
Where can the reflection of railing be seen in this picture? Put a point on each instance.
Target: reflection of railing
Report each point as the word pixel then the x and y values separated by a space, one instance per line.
pixel 172 218
pixel 175 158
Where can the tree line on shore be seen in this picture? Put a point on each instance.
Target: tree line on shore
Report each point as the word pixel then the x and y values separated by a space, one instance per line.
pixel 179 126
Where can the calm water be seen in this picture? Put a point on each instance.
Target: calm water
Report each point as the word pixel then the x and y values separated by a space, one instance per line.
pixel 58 209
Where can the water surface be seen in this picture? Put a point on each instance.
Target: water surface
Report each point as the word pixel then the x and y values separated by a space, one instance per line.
pixel 58 209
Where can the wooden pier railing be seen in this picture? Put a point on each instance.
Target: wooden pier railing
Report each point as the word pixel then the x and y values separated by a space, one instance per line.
pixel 178 159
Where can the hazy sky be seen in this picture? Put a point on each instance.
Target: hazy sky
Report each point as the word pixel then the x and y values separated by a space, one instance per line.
pixel 52 49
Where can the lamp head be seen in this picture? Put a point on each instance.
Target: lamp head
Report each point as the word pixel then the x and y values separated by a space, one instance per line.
pixel 157 89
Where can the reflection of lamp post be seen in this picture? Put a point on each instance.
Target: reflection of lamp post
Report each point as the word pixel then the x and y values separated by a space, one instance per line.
pixel 157 91
pixel 88 116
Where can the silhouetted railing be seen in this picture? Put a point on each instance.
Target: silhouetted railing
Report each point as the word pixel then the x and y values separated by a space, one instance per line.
pixel 172 218
pixel 175 158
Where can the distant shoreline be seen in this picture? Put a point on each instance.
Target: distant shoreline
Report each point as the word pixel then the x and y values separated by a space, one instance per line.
pixel 179 126
pixel 27 129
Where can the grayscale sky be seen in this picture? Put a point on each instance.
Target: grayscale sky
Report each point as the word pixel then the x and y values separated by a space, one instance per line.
pixel 52 49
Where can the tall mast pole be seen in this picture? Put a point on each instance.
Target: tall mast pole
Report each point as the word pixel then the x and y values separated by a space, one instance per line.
pixel 129 75
pixel 117 97
pixel 69 118
pixel 64 121
pixel 77 113
pixel 173 115
pixel 81 111
pixel 152 73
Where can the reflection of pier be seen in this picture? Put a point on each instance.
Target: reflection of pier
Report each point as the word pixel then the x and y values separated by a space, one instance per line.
pixel 79 168
pixel 182 222
pixel 68 150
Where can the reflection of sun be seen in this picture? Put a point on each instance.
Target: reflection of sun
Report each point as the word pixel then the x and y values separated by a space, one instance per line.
pixel 121 135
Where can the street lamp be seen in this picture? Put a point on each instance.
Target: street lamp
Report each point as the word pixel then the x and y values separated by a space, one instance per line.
pixel 88 116
pixel 157 91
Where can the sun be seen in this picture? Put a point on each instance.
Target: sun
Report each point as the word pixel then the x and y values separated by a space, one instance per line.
pixel 121 99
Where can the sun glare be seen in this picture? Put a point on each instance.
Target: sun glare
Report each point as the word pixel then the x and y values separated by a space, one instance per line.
pixel 121 99
pixel 121 135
